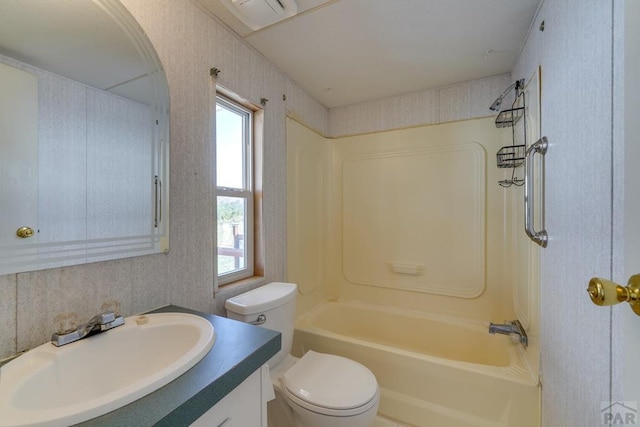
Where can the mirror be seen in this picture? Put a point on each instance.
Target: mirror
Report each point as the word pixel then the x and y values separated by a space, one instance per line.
pixel 84 117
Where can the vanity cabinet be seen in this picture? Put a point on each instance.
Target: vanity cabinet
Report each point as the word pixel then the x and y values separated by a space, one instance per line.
pixel 245 406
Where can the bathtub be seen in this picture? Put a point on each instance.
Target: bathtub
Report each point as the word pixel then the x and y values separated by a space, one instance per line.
pixel 432 370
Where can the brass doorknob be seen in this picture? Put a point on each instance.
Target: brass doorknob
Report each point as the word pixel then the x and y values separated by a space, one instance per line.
pixel 24 232
pixel 605 292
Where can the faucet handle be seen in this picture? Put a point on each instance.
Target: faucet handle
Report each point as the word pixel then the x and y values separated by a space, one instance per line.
pixel 109 320
pixel 106 317
pixel 112 306
pixel 66 322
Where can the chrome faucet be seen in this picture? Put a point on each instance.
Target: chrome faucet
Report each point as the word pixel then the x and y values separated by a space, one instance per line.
pixel 513 329
pixel 100 323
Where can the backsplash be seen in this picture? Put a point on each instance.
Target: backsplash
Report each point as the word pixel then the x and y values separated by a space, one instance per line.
pixel 8 290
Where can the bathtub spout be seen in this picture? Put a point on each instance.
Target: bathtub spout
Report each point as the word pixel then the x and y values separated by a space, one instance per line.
pixel 513 329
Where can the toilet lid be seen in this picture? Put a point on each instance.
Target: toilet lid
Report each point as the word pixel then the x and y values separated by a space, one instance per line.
pixel 330 381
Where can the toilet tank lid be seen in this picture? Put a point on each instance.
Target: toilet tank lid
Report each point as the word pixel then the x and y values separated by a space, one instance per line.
pixel 262 299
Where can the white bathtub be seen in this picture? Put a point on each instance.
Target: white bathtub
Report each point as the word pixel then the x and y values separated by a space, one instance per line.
pixel 433 371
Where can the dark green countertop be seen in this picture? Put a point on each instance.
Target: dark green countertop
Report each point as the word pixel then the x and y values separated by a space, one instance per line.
pixel 240 349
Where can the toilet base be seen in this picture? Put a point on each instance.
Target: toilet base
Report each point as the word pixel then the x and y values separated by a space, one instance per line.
pixel 279 413
pixel 306 418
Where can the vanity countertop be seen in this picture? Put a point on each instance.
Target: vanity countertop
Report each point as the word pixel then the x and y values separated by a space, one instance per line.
pixel 240 349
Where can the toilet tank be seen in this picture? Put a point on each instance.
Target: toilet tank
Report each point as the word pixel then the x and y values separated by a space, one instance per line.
pixel 277 302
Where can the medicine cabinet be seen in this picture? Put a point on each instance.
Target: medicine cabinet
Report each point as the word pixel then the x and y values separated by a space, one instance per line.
pixel 83 136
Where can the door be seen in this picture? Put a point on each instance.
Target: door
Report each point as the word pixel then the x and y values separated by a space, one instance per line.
pixel 628 377
pixel 623 348
pixel 624 407
pixel 577 116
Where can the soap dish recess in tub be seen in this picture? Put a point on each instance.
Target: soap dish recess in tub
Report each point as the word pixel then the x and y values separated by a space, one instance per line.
pixel 403 268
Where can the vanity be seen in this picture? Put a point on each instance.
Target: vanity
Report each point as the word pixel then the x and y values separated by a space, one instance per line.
pixel 225 386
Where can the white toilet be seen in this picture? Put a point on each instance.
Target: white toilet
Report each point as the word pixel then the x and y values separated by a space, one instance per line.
pixel 320 389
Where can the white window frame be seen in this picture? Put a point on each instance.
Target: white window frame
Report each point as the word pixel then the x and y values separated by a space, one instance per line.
pixel 246 193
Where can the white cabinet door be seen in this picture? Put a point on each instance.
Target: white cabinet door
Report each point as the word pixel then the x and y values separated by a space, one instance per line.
pixel 243 407
pixel 19 158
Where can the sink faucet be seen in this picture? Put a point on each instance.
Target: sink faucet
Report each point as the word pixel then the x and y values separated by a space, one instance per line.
pixel 100 323
pixel 513 329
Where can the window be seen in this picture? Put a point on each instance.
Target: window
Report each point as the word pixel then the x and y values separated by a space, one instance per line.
pixel 234 146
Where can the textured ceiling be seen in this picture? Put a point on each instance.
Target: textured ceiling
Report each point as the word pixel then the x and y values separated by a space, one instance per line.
pixel 349 51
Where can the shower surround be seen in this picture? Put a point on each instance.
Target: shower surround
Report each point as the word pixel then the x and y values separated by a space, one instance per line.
pixel 414 221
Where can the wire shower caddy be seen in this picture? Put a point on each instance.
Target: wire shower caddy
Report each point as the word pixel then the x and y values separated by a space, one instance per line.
pixel 513 156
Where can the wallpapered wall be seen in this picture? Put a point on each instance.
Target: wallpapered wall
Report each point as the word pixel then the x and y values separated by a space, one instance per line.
pixel 578 55
pixel 189 42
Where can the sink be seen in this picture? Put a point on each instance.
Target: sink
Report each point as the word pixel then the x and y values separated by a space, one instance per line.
pixel 60 386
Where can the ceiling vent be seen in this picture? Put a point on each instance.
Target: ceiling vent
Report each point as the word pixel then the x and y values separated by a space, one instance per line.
pixel 257 14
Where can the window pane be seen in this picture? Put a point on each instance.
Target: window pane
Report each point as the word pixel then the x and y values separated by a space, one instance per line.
pixel 230 126
pixel 231 234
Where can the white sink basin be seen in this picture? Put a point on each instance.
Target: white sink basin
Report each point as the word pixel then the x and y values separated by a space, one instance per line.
pixel 60 386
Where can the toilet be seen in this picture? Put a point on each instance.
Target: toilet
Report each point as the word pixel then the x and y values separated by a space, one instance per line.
pixel 319 389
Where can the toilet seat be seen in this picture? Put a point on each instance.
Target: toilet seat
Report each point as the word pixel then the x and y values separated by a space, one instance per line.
pixel 330 385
